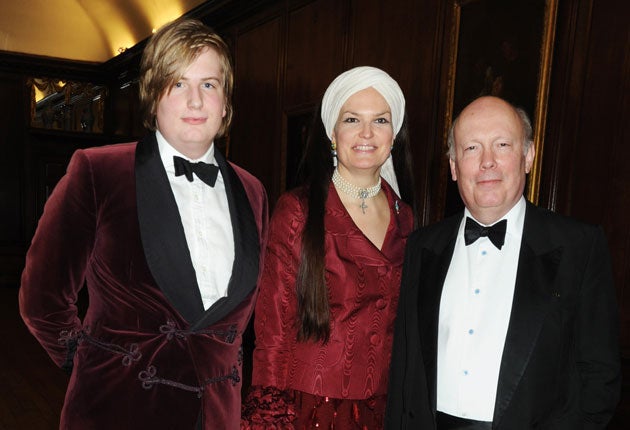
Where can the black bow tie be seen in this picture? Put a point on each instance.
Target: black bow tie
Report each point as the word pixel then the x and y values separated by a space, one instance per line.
pixel 206 172
pixel 496 232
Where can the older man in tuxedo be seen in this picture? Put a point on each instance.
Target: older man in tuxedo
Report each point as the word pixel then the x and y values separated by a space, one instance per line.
pixel 167 237
pixel 507 316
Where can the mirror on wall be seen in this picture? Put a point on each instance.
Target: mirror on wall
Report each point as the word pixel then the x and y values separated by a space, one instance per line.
pixel 74 106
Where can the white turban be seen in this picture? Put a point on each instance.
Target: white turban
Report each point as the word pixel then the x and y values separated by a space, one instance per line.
pixel 353 81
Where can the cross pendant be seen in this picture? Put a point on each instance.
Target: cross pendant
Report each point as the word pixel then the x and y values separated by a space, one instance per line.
pixel 363 206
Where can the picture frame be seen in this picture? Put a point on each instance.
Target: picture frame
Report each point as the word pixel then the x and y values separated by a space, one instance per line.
pixel 504 49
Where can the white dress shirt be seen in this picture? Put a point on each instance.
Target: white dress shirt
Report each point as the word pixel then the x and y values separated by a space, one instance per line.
pixel 206 219
pixel 474 316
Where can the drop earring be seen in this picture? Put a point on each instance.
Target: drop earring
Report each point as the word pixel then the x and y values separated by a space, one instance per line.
pixel 333 151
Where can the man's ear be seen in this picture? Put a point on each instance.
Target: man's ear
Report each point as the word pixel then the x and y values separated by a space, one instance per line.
pixel 453 169
pixel 529 158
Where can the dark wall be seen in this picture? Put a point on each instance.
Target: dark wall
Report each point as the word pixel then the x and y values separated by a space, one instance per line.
pixel 587 147
pixel 33 159
pixel 587 142
pixel 12 174
pixel 285 54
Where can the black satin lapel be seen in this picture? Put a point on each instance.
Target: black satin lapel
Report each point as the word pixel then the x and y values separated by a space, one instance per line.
pixel 533 299
pixel 162 232
pixel 246 247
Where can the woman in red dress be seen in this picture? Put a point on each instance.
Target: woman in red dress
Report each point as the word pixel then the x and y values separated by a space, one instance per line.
pixel 329 290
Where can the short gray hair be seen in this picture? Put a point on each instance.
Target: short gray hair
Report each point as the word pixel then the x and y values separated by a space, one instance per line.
pixel 526 124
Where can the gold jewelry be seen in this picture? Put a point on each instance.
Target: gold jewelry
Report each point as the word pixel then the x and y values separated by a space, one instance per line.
pixel 333 151
pixel 357 192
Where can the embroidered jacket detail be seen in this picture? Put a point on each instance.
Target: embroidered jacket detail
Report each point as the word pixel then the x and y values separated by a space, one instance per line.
pixel 149 379
pixel 232 376
pixel 170 330
pixel 128 355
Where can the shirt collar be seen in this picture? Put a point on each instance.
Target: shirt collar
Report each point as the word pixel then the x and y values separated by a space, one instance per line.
pixel 515 219
pixel 167 152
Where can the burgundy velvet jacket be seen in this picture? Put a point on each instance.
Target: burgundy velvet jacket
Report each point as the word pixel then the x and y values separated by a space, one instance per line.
pixel 146 355
pixel 363 290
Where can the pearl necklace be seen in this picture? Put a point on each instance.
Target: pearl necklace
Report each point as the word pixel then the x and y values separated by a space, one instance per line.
pixel 353 191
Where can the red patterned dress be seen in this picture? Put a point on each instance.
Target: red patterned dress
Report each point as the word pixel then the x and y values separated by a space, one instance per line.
pixel 341 384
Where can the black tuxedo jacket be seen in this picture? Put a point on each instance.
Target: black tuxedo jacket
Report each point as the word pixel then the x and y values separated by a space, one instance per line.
pixel 561 363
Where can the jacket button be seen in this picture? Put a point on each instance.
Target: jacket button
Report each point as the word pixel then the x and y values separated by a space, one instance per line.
pixel 381 303
pixel 375 339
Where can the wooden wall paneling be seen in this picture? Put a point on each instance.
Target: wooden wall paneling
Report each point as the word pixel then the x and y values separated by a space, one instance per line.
pixel 120 103
pixel 565 99
pixel 45 163
pixel 596 147
pixel 50 169
pixel 601 179
pixel 123 116
pixel 584 172
pixel 255 138
pixel 316 47
pixel 385 35
pixel 404 37
pixel 10 166
pixel 316 50
pixel 47 156
pixel 13 113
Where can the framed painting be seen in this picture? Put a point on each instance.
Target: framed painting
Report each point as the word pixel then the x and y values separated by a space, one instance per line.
pixel 503 49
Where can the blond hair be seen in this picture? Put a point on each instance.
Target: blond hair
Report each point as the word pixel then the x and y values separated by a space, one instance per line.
pixel 166 56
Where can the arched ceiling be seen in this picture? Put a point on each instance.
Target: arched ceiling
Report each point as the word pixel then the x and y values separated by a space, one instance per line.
pixel 83 30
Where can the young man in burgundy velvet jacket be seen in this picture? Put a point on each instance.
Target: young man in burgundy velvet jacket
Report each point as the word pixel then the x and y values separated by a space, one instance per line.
pixel 166 236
